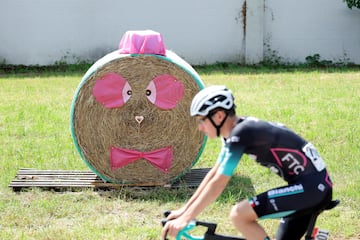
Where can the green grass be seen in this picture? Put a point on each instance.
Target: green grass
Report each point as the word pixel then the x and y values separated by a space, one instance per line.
pixel 323 105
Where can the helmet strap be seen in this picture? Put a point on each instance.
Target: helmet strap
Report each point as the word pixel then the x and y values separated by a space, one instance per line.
pixel 218 127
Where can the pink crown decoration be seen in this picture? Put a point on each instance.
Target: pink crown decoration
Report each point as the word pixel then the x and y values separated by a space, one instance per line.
pixel 142 42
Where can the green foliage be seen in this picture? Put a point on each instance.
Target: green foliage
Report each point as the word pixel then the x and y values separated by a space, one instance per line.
pixel 58 68
pixel 314 61
pixel 271 57
pixel 352 3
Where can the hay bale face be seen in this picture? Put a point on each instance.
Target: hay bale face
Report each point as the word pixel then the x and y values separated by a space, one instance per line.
pixel 131 121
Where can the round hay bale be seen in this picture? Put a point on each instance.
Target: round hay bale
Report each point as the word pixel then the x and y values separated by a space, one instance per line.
pixel 137 124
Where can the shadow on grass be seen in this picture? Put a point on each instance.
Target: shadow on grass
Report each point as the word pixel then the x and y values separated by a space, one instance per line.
pixel 239 187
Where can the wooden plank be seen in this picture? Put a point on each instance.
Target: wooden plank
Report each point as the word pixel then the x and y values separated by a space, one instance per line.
pixel 73 179
pixel 30 177
pixel 54 179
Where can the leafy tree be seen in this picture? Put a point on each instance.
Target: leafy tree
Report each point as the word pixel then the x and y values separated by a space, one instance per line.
pixel 353 3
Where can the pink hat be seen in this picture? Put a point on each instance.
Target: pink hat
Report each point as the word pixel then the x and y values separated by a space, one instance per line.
pixel 142 42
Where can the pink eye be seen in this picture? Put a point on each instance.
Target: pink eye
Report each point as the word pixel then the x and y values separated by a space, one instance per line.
pixel 112 90
pixel 165 91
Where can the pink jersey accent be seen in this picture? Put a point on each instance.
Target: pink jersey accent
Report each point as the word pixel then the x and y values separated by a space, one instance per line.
pixel 277 151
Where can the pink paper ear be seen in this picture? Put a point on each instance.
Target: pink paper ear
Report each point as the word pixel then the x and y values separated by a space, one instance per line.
pixel 165 91
pixel 112 90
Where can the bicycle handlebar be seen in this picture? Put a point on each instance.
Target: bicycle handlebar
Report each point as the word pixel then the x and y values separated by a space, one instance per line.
pixel 184 232
pixel 210 233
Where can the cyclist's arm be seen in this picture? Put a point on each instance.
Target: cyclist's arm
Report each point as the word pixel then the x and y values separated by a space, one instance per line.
pixel 217 181
pixel 204 182
pixel 210 192
pixel 211 187
pixel 201 187
pixel 210 175
pixel 225 165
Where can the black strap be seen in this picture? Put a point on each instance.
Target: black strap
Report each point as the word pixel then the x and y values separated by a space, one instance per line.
pixel 218 126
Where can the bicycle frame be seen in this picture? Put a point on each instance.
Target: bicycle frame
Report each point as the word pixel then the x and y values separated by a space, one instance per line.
pixel 211 228
pixel 209 234
pixel 184 232
pixel 310 230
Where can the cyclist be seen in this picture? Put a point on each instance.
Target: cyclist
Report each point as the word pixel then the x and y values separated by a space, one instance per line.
pixel 271 145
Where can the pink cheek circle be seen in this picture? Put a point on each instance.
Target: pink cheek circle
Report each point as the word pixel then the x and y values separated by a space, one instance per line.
pixel 112 90
pixel 166 91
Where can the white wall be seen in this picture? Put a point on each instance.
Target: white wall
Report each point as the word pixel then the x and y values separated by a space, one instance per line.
pixel 43 31
pixel 202 31
pixel 296 29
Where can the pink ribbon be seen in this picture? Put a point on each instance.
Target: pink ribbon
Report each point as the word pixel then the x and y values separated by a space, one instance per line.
pixel 160 158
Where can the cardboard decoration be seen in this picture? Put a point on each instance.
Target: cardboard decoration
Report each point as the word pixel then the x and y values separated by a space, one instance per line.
pixel 130 116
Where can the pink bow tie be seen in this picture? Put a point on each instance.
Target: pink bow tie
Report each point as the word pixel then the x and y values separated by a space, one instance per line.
pixel 160 158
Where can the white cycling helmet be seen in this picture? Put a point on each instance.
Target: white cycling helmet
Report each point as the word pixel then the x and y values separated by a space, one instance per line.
pixel 211 98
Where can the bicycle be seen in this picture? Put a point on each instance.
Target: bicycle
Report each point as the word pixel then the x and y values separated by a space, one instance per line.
pixel 312 233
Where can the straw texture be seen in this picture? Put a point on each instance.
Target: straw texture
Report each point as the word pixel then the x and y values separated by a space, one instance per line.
pixel 97 128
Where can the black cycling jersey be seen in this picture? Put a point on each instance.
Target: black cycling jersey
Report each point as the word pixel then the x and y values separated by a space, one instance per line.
pixel 272 145
pixel 290 156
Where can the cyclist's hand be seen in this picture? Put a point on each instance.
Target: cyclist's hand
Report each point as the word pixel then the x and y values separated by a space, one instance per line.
pixel 173 227
pixel 175 214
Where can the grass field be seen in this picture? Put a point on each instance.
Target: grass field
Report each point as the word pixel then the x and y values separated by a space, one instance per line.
pixel 321 105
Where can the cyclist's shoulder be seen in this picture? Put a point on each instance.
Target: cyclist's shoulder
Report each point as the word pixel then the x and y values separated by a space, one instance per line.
pixel 250 124
pixel 253 123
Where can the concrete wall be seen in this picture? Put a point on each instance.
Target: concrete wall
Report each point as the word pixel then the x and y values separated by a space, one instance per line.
pixel 43 32
pixel 296 29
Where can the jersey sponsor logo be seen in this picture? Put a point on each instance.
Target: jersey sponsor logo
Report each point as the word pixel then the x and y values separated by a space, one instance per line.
pixel 273 203
pixel 321 187
pixel 311 152
pixel 233 139
pixel 254 202
pixel 294 189
pixel 292 160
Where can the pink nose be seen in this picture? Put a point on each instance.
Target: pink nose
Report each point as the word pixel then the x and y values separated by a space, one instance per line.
pixel 139 119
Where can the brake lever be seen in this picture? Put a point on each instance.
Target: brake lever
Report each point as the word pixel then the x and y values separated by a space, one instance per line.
pixel 167 213
pixel 164 221
pixel 211 227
